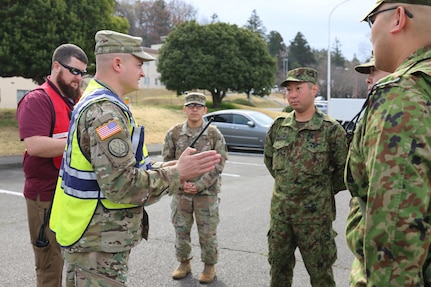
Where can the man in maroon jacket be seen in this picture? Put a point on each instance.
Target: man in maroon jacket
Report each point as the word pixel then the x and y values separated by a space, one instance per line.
pixel 43 120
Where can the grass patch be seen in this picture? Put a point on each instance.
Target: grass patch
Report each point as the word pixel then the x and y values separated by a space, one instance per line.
pixel 244 102
pixel 9 141
pixel 8 118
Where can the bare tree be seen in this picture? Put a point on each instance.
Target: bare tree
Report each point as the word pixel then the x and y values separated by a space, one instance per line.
pixel 153 19
pixel 180 12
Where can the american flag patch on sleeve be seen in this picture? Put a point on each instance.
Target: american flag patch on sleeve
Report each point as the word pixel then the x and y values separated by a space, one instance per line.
pixel 108 129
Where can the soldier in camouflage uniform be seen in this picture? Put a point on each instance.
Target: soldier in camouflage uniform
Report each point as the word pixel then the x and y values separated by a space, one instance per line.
pixel 305 152
pixel 355 230
pixel 198 196
pixel 389 162
pixel 106 177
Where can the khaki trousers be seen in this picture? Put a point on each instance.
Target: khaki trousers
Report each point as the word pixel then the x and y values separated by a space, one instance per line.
pixel 48 260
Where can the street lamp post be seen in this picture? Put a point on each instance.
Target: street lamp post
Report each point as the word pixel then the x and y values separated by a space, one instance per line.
pixel 285 66
pixel 328 89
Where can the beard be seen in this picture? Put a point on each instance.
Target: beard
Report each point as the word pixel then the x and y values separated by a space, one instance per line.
pixel 68 91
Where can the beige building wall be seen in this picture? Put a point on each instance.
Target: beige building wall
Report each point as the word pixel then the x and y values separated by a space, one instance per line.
pixel 12 89
pixel 152 77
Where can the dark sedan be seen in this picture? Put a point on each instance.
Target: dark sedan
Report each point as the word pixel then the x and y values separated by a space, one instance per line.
pixel 242 128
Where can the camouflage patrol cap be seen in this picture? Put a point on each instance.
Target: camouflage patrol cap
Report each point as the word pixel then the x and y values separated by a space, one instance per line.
pixel 195 98
pixel 365 68
pixel 301 75
pixel 380 2
pixel 108 42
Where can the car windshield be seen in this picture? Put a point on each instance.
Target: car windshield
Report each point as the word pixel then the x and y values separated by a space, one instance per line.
pixel 322 106
pixel 262 119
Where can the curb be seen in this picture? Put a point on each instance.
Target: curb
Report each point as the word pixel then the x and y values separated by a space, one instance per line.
pixel 15 161
pixel 10 162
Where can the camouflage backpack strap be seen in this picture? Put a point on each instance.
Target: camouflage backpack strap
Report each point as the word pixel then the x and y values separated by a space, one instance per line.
pixel 176 130
pixel 213 135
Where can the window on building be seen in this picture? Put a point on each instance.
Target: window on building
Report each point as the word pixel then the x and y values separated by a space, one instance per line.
pixel 20 94
pixel 146 81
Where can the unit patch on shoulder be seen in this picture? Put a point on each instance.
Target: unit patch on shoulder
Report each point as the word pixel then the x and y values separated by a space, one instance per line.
pixel 109 129
pixel 118 147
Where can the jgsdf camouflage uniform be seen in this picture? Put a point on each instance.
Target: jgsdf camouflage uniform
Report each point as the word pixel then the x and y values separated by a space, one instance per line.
pixel 353 228
pixel 205 203
pixel 307 164
pixel 389 170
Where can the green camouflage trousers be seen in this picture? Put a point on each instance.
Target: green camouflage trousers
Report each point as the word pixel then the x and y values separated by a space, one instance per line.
pixel 205 209
pixel 96 269
pixel 355 238
pixel 316 242
pixel 355 232
pixel 357 276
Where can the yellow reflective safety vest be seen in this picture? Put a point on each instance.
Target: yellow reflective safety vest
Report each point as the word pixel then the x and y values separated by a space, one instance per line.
pixel 77 192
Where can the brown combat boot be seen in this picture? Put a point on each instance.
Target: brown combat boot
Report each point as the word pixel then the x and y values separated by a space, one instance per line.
pixel 207 276
pixel 182 270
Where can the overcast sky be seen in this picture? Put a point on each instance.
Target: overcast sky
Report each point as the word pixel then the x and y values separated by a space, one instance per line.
pixel 310 17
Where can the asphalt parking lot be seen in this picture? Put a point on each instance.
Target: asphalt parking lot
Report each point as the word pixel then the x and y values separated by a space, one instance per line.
pixel 244 211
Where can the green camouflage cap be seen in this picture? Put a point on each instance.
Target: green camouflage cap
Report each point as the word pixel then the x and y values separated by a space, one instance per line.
pixel 195 98
pixel 108 42
pixel 301 75
pixel 380 2
pixel 365 68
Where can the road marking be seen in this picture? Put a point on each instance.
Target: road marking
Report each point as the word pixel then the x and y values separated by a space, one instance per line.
pixel 11 192
pixel 230 174
pixel 245 163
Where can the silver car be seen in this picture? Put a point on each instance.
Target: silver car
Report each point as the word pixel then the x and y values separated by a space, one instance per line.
pixel 241 128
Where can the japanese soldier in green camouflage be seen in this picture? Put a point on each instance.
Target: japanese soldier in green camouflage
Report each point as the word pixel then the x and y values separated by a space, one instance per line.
pixel 354 229
pixel 389 164
pixel 305 152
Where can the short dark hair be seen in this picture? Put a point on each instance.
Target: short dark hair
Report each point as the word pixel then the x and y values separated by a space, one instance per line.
pixel 64 52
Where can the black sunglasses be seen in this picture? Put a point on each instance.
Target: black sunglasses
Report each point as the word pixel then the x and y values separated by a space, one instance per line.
pixel 194 105
pixel 73 70
pixel 371 18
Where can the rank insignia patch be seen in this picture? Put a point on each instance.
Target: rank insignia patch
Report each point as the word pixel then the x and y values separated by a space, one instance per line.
pixel 107 130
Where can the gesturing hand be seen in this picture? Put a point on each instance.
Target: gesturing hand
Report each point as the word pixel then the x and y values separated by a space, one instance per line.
pixel 191 165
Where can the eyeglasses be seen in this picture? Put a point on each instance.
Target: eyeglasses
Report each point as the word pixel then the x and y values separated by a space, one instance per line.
pixel 73 71
pixel 371 18
pixel 197 106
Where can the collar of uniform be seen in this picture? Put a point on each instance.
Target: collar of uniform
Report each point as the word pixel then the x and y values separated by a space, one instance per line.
pixel 313 124
pixel 412 64
pixel 185 130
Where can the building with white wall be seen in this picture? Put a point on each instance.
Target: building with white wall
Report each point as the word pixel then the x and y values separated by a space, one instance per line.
pixel 12 89
pixel 152 77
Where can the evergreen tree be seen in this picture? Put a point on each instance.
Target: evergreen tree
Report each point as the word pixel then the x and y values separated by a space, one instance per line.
pixel 337 58
pixel 300 54
pixel 31 30
pixel 217 57
pixel 255 24
pixel 278 50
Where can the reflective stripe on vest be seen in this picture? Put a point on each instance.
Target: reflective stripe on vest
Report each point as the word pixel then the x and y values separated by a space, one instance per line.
pixel 70 215
pixel 78 177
